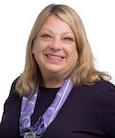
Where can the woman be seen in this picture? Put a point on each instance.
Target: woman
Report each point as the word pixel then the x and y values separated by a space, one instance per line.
pixel 60 94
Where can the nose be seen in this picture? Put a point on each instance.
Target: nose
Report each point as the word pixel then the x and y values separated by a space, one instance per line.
pixel 56 44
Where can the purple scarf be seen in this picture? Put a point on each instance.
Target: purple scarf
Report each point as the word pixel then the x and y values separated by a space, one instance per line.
pixel 27 109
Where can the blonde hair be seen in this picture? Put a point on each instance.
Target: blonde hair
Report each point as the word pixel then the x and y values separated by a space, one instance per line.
pixel 84 72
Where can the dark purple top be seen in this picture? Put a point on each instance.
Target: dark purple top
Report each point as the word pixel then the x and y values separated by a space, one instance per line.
pixel 89 112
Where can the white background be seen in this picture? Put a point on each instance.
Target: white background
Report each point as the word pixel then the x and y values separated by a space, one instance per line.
pixel 17 18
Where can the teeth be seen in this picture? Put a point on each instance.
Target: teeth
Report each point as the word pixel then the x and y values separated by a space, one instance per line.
pixel 55 59
pixel 55 56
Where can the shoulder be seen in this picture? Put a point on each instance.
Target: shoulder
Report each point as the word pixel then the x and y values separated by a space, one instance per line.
pixel 13 89
pixel 100 96
pixel 11 112
pixel 104 91
pixel 13 100
pixel 13 94
pixel 104 104
pixel 98 100
pixel 103 85
pixel 100 86
pixel 100 92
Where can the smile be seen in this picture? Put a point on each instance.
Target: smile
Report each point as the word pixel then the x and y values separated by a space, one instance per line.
pixel 53 58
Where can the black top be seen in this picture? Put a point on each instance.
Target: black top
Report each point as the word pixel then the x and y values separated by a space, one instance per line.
pixel 89 112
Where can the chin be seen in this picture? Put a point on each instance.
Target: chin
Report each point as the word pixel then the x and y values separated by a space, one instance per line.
pixel 54 69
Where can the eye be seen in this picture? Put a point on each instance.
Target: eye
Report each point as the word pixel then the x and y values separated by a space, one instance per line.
pixel 68 38
pixel 45 35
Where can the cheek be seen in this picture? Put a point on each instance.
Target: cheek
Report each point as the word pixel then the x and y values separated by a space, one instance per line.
pixel 36 52
pixel 74 57
pixel 37 49
pixel 73 54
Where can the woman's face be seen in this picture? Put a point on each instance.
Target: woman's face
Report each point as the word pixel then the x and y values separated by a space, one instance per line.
pixel 55 48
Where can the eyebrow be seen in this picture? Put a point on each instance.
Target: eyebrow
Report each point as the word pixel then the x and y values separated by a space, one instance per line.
pixel 50 31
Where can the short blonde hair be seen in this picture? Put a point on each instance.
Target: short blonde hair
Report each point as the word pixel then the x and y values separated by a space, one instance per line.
pixel 84 72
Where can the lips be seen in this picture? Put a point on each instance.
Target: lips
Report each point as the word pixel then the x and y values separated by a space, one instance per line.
pixel 54 58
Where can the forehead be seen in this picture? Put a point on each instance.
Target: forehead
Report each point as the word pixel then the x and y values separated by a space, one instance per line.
pixel 56 25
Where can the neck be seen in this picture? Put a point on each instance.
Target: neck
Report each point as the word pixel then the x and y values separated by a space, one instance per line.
pixel 52 82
